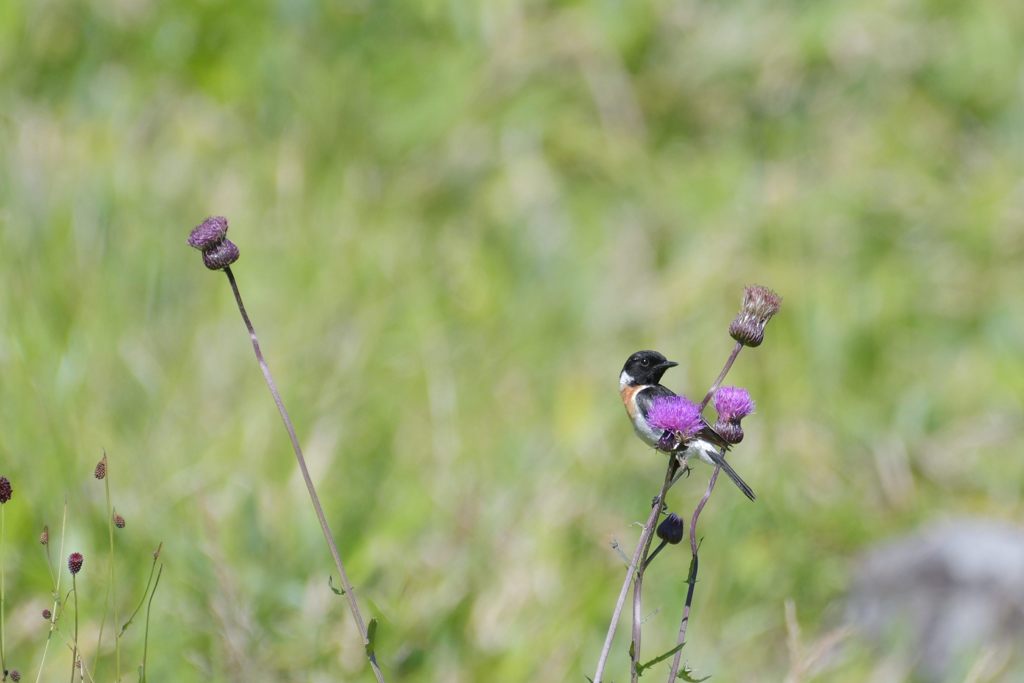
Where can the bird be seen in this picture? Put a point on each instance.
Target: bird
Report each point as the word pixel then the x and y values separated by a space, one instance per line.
pixel 639 386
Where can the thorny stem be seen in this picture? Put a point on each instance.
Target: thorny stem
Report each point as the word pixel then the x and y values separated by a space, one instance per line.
pixel 721 376
pixel 346 585
pixel 692 578
pixel 634 564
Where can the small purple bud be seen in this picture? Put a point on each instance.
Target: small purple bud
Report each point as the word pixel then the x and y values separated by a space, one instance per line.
pixel 210 237
pixel 221 256
pixel 671 529
pixel 15 675
pixel 101 468
pixel 6 491
pixel 759 305
pixel 668 442
pixel 732 432
pixel 733 404
pixel 47 614
pixel 676 414
pixel 209 233
pixel 118 520
pixel 75 561
pixel 44 538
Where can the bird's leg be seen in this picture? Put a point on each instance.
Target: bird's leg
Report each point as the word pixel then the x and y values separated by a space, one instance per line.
pixel 684 467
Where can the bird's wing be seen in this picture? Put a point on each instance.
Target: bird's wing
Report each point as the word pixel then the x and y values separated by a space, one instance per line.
pixel 646 396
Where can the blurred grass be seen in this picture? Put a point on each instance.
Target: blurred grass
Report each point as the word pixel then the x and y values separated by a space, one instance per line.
pixel 456 222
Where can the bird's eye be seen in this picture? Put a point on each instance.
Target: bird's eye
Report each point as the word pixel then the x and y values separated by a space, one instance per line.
pixel 645 362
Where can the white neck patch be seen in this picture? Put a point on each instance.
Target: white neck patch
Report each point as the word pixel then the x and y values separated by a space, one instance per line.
pixel 625 379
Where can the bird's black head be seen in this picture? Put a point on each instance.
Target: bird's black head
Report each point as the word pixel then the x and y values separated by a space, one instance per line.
pixel 644 367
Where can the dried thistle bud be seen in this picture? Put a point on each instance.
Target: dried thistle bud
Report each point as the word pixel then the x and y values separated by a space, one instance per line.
pixel 101 468
pixel 671 529
pixel 210 237
pixel 75 561
pixel 44 537
pixel 118 520
pixel 47 614
pixel 732 432
pixel 6 491
pixel 759 305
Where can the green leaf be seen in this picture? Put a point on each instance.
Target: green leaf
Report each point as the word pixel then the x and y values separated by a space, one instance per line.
pixel 685 675
pixel 330 582
pixel 371 636
pixel 660 658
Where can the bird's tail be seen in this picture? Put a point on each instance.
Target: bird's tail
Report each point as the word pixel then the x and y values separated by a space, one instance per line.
pixel 727 468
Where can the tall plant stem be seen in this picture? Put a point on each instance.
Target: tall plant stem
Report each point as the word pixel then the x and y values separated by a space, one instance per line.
pixel 634 564
pixel 350 595
pixel 74 643
pixel 721 376
pixel 3 588
pixel 56 591
pixel 692 577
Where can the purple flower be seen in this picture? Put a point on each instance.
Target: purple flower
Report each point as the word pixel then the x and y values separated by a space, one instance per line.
pixel 5 490
pixel 676 414
pixel 759 305
pixel 75 561
pixel 733 404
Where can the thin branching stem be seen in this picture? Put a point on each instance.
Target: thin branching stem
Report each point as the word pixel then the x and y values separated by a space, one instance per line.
pixel 145 640
pixel 721 376
pixel 57 604
pixel 142 600
pixel 350 595
pixel 634 564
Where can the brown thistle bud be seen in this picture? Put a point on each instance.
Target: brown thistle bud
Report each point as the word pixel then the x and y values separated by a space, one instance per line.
pixel 118 520
pixel 210 237
pixel 759 305
pixel 75 562
pixel 47 614
pixel 44 538
pixel 101 468
pixel 6 491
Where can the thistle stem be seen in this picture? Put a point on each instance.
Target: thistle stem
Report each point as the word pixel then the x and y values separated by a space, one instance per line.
pixel 350 595
pixel 721 376
pixel 634 565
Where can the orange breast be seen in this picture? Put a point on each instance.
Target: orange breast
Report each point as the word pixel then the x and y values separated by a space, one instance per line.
pixel 628 394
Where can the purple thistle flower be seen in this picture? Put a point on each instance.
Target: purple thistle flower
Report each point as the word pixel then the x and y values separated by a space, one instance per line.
pixel 676 414
pixel 733 404
pixel 5 490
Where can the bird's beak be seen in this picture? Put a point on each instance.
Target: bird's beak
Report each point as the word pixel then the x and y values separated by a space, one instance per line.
pixel 668 364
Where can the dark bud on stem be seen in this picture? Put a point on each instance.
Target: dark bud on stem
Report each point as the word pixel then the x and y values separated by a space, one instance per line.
pixel 5 490
pixel 759 305
pixel 210 237
pixel 101 468
pixel 75 561
pixel 47 614
pixel 671 529
pixel 15 675
pixel 44 538
pixel 118 521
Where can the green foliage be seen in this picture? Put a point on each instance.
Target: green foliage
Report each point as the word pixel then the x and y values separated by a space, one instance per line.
pixel 456 221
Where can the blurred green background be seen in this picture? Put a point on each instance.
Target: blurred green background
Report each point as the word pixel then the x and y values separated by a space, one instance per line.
pixel 456 221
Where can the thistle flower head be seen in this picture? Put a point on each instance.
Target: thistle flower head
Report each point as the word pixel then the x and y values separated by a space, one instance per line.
pixel 733 404
pixel 671 529
pixel 118 520
pixel 759 305
pixel 210 237
pixel 44 537
pixel 676 414
pixel 6 491
pixel 101 468
pixel 75 561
